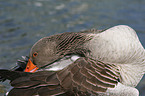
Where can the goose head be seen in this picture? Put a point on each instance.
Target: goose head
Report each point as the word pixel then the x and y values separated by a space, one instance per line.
pixel 50 49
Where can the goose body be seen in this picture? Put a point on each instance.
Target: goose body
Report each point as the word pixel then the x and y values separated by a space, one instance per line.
pixel 101 63
pixel 121 46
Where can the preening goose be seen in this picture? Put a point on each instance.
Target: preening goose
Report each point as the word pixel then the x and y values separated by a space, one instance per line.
pixel 101 63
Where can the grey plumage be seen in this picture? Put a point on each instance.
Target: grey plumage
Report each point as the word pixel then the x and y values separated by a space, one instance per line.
pixel 109 63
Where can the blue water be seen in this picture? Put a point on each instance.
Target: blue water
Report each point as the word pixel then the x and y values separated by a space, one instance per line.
pixel 23 22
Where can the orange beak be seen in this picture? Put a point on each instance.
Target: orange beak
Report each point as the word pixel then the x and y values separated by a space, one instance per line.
pixel 30 67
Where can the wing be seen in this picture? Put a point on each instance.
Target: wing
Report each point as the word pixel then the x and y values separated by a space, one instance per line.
pixel 20 66
pixel 83 77
pixel 43 83
pixel 89 76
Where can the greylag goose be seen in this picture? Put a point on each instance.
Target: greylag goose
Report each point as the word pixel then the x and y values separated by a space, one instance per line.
pixel 110 62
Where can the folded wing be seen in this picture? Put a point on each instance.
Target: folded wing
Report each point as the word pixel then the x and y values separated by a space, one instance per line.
pixel 83 77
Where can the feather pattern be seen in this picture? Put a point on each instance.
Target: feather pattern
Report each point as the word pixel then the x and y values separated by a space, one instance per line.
pixel 83 74
pixel 72 42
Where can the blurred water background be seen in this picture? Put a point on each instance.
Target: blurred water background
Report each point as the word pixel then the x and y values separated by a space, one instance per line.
pixel 23 22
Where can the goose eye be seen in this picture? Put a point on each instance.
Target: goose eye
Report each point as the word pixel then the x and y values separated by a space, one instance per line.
pixel 35 54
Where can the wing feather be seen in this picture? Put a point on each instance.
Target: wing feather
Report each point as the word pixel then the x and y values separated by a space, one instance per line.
pixel 90 75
